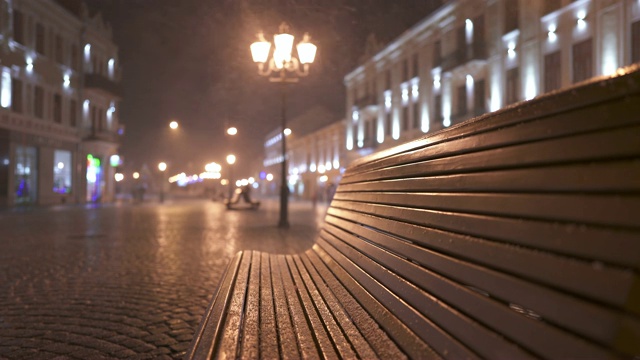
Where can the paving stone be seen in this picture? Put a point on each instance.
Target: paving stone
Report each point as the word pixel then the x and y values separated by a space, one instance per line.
pixel 125 282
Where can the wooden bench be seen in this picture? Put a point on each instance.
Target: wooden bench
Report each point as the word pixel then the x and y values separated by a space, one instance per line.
pixel 513 235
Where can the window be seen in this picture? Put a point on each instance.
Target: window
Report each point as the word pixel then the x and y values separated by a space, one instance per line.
pixel 406 120
pixel 16 95
pixel 367 129
pixel 388 80
pixel 388 123
pixel 26 174
pixel 73 113
pixel 552 71
pixel 38 102
pixel 511 21
pixel 635 42
pixel 478 98
pixel 62 171
pixel 437 108
pixel 58 50
pixel 94 124
pixel 18 27
pixel 478 47
pixel 57 108
pixel 437 48
pixel 513 84
pixel 405 70
pixel 478 30
pixel 462 100
pixel 74 57
pixel 461 39
pixel 582 60
pixel 100 119
pixel 40 46
pixel 5 88
pixel 94 64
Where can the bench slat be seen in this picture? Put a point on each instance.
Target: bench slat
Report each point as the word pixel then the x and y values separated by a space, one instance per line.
pixel 212 323
pixel 287 333
pixel 377 338
pixel 591 320
pixel 591 243
pixel 301 328
pixel 325 297
pixel 442 342
pixel 593 209
pixel 269 331
pixel 602 283
pixel 610 177
pixel 307 309
pixel 327 331
pixel 250 348
pixel 612 144
pixel 229 339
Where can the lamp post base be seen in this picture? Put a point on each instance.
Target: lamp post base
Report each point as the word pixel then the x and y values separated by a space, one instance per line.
pixel 284 200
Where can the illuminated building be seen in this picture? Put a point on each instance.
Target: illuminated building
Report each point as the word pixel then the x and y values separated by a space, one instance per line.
pixel 59 126
pixel 315 154
pixel 474 56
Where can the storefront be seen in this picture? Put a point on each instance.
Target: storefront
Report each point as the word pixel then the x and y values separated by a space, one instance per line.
pixel 95 179
pixel 35 170
pixel 25 175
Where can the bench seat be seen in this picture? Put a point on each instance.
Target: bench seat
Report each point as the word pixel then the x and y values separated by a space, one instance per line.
pixel 513 235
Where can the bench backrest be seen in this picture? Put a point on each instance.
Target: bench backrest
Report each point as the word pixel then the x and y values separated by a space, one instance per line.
pixel 515 234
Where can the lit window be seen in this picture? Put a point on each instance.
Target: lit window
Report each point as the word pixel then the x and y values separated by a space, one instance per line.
pixel 552 33
pixel 62 171
pixel 511 51
pixel 5 92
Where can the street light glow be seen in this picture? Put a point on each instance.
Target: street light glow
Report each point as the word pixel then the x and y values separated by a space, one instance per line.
pixel 232 131
pixel 119 177
pixel 287 132
pixel 162 166
pixel 231 159
pixel 136 175
pixel 173 125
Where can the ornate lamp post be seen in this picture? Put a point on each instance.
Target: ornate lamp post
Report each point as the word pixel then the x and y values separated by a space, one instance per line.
pixel 287 69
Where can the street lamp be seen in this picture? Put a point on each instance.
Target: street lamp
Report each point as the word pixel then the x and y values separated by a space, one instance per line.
pixel 288 69
pixel 162 167
pixel 173 125
pixel 232 131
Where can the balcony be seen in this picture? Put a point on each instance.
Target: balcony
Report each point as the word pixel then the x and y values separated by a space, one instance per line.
pixel 94 135
pixel 102 84
pixel 475 51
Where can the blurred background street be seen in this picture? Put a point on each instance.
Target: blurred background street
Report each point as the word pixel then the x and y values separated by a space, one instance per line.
pixel 125 280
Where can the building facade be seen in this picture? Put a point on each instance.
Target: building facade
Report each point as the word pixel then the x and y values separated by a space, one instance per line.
pixel 315 155
pixel 59 124
pixel 475 56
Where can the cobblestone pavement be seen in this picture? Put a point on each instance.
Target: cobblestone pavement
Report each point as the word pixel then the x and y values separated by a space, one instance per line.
pixel 125 281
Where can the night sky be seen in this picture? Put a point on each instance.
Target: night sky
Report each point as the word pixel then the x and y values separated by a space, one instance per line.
pixel 189 60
